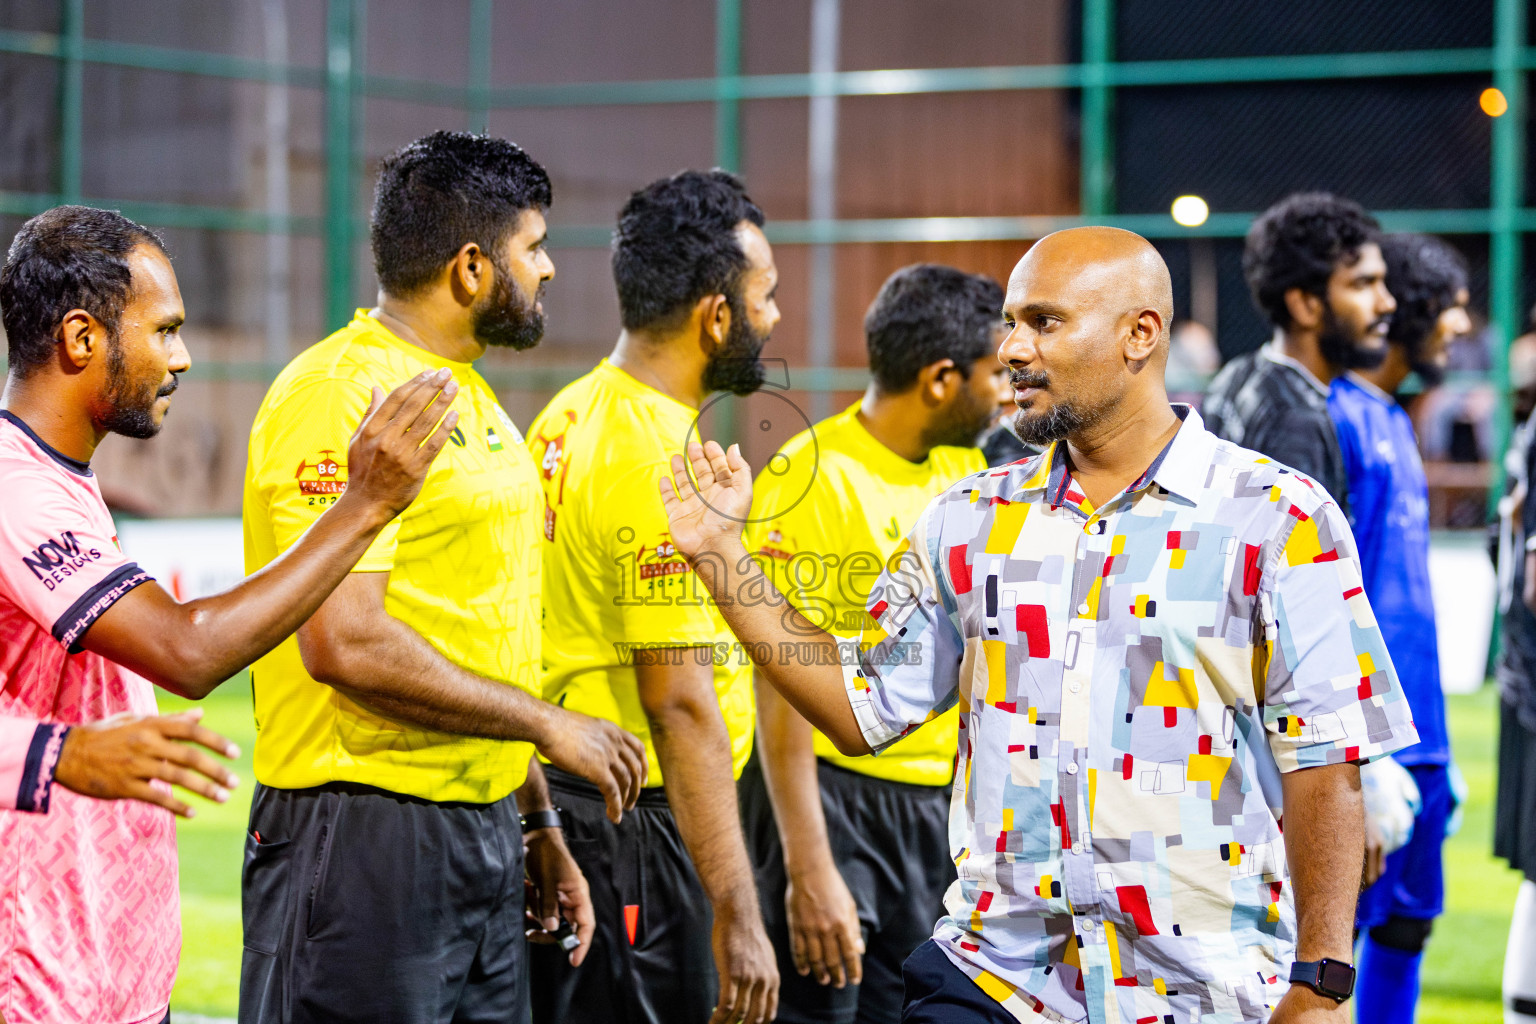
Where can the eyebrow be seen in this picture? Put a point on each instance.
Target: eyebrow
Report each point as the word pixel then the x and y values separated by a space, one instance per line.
pixel 542 240
pixel 171 324
pixel 1049 308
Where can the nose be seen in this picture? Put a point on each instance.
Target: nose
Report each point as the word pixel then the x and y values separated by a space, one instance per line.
pixel 180 360
pixel 546 267
pixel 1385 303
pixel 1017 348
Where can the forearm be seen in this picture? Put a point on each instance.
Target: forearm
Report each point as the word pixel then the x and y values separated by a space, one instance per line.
pixel 1324 844
pixel 533 794
pixel 788 757
pixel 393 671
pixel 224 633
pixel 812 681
pixel 694 751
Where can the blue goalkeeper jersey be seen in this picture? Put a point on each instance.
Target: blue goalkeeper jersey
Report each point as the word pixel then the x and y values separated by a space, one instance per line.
pixel 1390 500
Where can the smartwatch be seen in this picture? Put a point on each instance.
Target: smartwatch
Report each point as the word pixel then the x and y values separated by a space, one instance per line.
pixel 540 819
pixel 1332 978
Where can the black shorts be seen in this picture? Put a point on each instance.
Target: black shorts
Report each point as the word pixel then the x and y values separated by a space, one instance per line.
pixel 364 905
pixel 650 961
pixel 1514 823
pixel 890 842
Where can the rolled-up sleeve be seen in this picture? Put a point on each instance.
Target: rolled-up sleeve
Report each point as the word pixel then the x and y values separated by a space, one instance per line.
pixel 908 671
pixel 1331 694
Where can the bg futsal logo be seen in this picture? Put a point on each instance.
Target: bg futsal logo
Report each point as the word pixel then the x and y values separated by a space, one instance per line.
pixel 326 475
pixel 59 557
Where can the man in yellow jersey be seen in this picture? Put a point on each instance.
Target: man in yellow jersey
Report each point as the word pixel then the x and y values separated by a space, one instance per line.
pixel 384 868
pixel 627 638
pixel 853 877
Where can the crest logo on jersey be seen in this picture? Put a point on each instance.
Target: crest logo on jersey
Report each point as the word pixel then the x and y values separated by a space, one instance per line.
pixel 325 475
pixel 552 467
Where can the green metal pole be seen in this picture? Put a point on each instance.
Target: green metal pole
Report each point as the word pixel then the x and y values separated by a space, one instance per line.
pixel 71 98
pixel 340 76
pixel 727 70
pixel 1098 173
pixel 480 66
pixel 1504 299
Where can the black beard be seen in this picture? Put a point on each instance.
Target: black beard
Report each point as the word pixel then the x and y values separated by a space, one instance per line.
pixel 509 320
pixel 1340 348
pixel 1431 375
pixel 130 408
pixel 736 366
pixel 960 426
pixel 1064 419
pixel 1041 429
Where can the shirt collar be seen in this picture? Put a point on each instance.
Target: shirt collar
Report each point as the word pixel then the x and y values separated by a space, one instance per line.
pixel 1370 388
pixel 1273 354
pixel 1180 468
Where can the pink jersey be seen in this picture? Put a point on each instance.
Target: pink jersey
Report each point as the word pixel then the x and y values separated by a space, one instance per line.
pixel 90 918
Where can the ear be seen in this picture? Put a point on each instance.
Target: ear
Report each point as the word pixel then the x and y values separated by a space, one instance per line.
pixel 1145 336
pixel 936 382
pixel 82 337
pixel 1305 309
pixel 469 273
pixel 714 314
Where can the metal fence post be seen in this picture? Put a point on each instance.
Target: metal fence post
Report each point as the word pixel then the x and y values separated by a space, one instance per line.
pixel 480 66
pixel 727 69
pixel 71 98
pixel 1097 159
pixel 1504 291
pixel 339 79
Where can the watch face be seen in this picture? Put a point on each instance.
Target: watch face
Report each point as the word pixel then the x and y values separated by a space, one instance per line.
pixel 1337 978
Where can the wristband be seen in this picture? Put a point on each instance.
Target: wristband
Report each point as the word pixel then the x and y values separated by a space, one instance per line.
pixel 540 819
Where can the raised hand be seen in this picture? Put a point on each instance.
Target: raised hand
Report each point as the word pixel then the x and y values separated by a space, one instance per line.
pixel 389 455
pixel 125 756
pixel 704 515
pixel 600 752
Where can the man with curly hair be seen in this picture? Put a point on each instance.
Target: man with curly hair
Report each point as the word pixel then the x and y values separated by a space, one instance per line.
pixel 1313 262
pixel 1428 278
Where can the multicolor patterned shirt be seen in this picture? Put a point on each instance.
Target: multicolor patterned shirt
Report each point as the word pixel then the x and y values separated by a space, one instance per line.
pixel 1132 681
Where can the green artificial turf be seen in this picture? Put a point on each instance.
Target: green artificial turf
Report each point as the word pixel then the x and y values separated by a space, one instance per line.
pixel 1461 972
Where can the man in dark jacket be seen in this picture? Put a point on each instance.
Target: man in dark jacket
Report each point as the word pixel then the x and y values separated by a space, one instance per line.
pixel 1316 271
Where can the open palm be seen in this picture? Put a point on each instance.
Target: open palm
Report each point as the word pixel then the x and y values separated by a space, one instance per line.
pixel 710 508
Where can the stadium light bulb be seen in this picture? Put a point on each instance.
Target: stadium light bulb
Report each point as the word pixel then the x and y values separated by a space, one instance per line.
pixel 1190 211
pixel 1493 102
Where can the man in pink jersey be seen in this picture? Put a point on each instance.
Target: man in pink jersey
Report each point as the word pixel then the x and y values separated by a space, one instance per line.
pixel 89 912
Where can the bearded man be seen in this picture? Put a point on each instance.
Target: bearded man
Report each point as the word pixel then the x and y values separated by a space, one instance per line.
pixel 384 869
pixel 627 637
pixel 1314 264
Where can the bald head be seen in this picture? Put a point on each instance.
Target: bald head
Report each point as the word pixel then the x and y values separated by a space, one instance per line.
pixel 1088 311
pixel 1108 267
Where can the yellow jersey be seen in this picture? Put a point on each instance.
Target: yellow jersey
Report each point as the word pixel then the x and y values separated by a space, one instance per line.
pixel 463 563
pixel 613 581
pixel 827 512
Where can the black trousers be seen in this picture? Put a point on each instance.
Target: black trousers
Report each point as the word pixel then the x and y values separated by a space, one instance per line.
pixel 938 992
pixel 368 906
pixel 650 961
pixel 890 842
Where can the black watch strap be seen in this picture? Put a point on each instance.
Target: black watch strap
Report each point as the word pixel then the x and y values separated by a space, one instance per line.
pixel 1332 978
pixel 541 819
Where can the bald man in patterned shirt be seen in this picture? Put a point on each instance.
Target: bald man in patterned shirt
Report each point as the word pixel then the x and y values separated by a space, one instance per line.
pixel 1159 647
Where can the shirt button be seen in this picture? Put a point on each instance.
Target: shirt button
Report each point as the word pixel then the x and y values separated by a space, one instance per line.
pixel 1076 686
pixel 1082 609
pixel 1072 768
pixel 1087 924
pixel 1077 847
